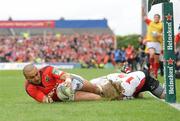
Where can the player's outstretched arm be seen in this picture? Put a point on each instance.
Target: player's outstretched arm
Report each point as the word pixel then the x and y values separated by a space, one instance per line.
pixel 144 15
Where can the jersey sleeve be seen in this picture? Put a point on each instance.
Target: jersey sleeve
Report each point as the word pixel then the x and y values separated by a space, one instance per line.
pixel 147 21
pixel 35 93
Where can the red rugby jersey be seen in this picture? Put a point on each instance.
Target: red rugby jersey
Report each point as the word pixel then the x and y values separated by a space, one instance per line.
pixel 50 78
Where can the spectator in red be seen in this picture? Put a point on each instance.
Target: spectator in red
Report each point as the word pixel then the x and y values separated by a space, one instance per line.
pixel 130 55
pixel 177 39
pixel 66 48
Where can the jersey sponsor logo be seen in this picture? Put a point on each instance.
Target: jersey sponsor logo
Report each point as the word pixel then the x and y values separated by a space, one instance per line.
pixel 56 71
pixel 169 17
pixel 170 61
pixel 47 79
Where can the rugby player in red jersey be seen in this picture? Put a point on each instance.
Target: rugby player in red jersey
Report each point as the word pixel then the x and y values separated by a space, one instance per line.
pixel 50 84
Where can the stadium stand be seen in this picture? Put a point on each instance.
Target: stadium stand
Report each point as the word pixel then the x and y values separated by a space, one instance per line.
pixel 88 42
pixel 58 26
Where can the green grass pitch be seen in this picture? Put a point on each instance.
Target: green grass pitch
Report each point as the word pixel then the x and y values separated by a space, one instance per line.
pixel 16 105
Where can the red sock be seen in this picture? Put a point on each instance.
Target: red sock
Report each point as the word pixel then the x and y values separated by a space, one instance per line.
pixel 155 68
pixel 151 62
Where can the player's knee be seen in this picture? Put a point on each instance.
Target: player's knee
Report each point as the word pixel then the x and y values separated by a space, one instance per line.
pixel 159 92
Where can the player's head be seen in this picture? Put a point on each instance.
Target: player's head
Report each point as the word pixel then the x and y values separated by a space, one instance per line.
pixel 157 18
pixel 32 74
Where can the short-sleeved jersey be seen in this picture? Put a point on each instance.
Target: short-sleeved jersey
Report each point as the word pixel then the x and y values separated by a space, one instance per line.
pixel 50 78
pixel 153 27
pixel 131 82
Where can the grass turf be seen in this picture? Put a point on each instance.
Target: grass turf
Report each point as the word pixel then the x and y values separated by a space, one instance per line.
pixel 15 104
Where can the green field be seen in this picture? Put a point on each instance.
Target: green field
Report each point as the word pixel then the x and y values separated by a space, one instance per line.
pixel 16 105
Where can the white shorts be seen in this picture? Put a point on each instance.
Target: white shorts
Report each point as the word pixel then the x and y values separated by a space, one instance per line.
pixel 155 45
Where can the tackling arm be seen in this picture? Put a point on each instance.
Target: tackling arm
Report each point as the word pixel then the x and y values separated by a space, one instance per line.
pixel 144 14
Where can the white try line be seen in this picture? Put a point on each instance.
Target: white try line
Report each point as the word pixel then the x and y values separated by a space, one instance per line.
pixel 174 105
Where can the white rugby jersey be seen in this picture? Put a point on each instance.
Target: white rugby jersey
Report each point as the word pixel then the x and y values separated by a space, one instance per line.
pixel 131 82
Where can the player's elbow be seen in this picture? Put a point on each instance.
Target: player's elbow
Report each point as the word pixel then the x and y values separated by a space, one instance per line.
pixel 65 76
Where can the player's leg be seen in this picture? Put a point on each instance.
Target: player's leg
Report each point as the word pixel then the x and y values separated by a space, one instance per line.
pixel 153 85
pixel 89 87
pixel 151 52
pixel 86 96
pixel 156 58
pixel 107 90
pixel 156 64
pixel 99 81
pixel 80 84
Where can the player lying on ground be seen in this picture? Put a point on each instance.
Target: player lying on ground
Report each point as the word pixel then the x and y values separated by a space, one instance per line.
pixel 131 84
pixel 50 84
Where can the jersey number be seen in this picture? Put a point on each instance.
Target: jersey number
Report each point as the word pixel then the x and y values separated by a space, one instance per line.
pixel 129 79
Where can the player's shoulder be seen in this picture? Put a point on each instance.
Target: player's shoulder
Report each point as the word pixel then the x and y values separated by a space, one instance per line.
pixel 161 23
pixel 46 69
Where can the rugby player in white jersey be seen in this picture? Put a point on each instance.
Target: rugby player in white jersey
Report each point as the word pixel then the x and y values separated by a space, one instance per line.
pixel 133 83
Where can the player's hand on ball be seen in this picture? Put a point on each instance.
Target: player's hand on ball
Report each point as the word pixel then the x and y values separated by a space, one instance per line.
pixel 67 82
pixel 50 100
pixel 47 99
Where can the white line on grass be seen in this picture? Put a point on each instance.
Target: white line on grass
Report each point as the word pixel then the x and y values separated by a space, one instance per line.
pixel 174 105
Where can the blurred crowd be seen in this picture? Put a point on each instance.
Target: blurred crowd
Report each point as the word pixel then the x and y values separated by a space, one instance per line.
pixel 88 50
pixel 53 48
